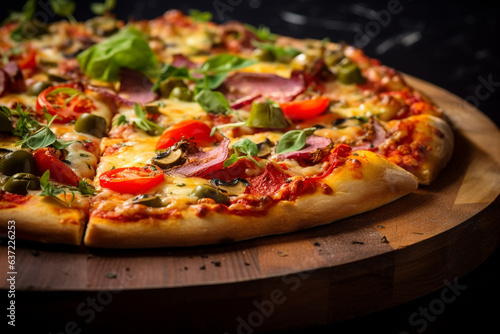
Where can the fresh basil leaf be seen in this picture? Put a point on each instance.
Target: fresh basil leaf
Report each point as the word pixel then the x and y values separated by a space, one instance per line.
pixel 212 81
pixel 246 146
pixel 43 136
pixel 127 48
pixel 212 101
pixel 231 160
pixel 199 16
pixel 61 144
pixel 293 140
pixel 225 63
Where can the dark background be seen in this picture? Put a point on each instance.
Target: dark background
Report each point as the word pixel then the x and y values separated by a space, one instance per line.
pixel 447 43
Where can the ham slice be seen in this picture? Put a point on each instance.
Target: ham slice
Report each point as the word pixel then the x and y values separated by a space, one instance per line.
pixel 180 60
pixel 247 84
pixel 315 149
pixel 203 163
pixel 11 79
pixel 135 87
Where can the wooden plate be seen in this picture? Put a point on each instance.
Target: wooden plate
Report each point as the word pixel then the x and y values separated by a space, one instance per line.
pixel 359 265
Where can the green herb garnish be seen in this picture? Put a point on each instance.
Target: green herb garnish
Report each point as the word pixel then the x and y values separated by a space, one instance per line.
pixel 52 190
pixel 262 32
pixel 127 48
pixel 64 8
pixel 244 148
pixel 99 8
pixel 151 128
pixel 293 140
pixel 199 16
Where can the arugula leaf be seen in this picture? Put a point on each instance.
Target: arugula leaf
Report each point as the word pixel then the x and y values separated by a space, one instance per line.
pixel 212 101
pixel 200 16
pixel 26 13
pixel 293 140
pixel 246 147
pixel 64 8
pixel 169 71
pixel 122 119
pixel 51 190
pixel 102 8
pixel 262 32
pixel 25 124
pixel 127 48
pixel 145 124
pixel 85 188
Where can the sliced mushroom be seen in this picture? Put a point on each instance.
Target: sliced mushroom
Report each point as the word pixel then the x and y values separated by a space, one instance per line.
pixel 170 157
pixel 264 148
pixel 234 187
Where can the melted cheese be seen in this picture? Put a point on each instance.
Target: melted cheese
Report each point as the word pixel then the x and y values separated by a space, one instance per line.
pixel 11 99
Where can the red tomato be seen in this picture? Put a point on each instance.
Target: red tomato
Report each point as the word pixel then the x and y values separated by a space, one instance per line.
pixel 131 180
pixel 305 109
pixel 199 131
pixel 47 160
pixel 27 60
pixel 66 101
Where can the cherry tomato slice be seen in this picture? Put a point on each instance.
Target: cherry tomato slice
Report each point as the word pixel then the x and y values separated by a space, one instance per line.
pixel 305 109
pixel 131 180
pixel 47 160
pixel 199 131
pixel 27 60
pixel 67 101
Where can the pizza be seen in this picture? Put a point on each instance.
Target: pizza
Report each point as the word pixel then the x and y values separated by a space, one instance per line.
pixel 178 131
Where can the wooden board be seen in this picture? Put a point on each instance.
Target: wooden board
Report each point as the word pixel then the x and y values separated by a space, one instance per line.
pixel 355 266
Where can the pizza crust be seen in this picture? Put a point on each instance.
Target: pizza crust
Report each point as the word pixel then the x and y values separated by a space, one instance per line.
pixel 373 183
pixel 42 219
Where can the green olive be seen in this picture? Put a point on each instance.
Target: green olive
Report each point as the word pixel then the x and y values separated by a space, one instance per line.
pixel 38 87
pixel 20 183
pixel 168 85
pixel 266 115
pixel 148 200
pixel 264 55
pixel 349 73
pixel 205 191
pixel 181 94
pixel 17 162
pixel 91 124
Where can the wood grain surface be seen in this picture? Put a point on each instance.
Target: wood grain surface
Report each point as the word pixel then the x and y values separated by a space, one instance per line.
pixel 359 265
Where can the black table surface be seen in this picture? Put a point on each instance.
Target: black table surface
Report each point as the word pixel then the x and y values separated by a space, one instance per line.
pixel 447 43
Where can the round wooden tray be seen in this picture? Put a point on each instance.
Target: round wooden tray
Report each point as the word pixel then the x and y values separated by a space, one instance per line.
pixel 359 265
